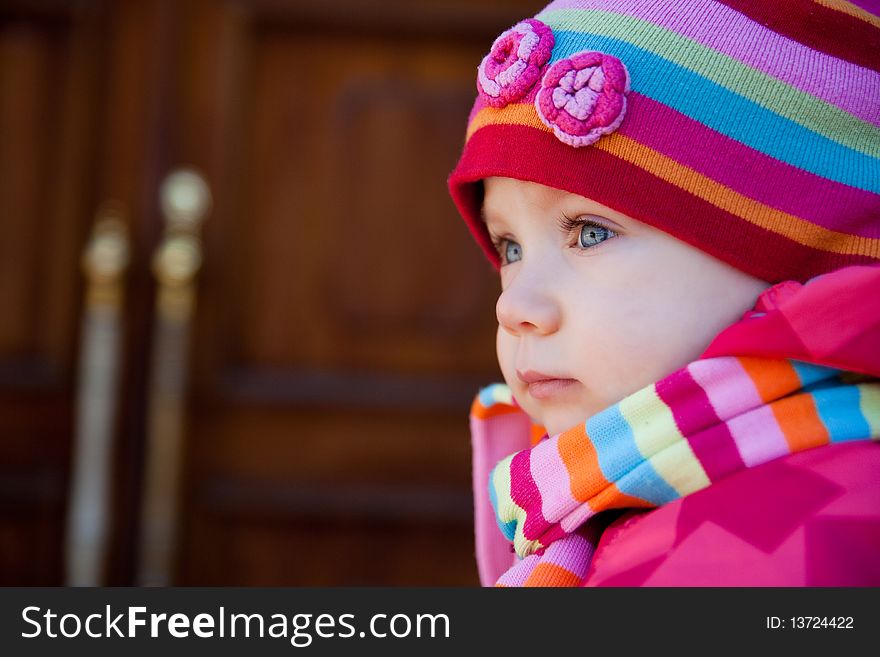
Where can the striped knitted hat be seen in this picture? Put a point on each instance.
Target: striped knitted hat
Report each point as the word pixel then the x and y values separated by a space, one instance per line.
pixel 747 128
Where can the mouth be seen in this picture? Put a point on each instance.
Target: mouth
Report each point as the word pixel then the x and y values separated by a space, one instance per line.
pixel 545 386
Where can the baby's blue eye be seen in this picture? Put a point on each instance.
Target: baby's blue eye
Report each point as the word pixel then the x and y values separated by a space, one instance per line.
pixel 592 234
pixel 512 251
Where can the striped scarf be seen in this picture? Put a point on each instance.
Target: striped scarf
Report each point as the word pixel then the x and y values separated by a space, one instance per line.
pixel 706 421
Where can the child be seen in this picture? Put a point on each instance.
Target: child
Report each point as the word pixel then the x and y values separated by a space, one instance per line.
pixel 683 200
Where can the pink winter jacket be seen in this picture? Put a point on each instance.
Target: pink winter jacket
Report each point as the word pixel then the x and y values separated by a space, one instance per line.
pixel 808 519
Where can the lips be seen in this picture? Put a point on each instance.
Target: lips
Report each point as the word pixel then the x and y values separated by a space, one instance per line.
pixel 545 386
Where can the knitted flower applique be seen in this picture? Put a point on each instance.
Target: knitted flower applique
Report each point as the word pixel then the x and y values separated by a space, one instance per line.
pixel 514 63
pixel 583 97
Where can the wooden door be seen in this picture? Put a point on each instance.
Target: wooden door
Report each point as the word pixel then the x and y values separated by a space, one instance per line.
pixel 344 320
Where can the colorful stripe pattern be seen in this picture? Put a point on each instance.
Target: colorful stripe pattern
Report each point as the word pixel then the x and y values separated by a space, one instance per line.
pixel 752 129
pixel 702 423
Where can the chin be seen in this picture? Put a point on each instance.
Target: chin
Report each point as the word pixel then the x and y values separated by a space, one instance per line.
pixel 564 422
pixel 554 420
pixel 531 408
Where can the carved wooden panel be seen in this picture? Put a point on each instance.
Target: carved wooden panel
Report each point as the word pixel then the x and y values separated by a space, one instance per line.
pixel 350 257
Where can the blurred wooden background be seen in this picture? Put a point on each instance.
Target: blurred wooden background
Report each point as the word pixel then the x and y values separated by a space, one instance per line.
pixel 344 319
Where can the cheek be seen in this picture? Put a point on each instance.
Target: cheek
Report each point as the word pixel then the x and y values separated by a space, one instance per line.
pixel 609 344
pixel 655 320
pixel 687 306
pixel 629 333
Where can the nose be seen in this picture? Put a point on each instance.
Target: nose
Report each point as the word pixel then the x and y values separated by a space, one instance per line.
pixel 528 306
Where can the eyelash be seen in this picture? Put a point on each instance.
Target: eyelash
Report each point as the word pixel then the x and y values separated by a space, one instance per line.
pixel 566 224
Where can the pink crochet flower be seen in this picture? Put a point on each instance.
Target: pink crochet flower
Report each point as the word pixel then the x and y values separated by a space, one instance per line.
pixel 514 63
pixel 583 97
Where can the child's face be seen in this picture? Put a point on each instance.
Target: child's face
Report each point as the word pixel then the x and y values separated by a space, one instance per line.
pixel 605 309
